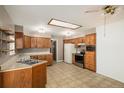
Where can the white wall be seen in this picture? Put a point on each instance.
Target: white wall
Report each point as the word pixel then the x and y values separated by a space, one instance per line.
pixel 59 40
pixel 110 50
pixel 85 32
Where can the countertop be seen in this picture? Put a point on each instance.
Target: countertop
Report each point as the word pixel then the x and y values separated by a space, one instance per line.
pixel 17 66
pixel 11 64
pixel 37 54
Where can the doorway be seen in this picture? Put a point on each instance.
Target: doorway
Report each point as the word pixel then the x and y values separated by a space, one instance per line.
pixel 54 50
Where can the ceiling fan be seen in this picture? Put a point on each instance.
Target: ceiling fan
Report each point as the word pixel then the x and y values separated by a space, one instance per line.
pixel 109 9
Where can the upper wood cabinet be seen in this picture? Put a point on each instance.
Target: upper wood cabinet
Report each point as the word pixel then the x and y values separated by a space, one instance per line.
pixel 23 41
pixel 90 39
pixel 19 40
pixel 75 40
pixel 33 42
pixel 43 42
pixel 27 41
pixel 47 42
pixel 40 42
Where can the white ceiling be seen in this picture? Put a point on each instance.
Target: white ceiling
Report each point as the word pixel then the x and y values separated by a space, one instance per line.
pixel 33 17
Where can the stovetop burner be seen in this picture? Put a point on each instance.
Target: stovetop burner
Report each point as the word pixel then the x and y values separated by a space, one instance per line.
pixel 29 62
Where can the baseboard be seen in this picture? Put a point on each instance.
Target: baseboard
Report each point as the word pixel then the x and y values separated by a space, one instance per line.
pixel 60 60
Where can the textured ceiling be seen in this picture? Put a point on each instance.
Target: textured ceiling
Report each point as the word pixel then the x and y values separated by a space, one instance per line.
pixel 33 17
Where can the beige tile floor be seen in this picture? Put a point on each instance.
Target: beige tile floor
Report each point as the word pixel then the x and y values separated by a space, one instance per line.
pixel 63 75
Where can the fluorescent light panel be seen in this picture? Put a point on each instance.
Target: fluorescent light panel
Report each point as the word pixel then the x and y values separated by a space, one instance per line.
pixel 64 24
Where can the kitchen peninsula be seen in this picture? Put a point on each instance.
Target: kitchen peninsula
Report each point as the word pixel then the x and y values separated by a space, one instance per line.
pixel 21 75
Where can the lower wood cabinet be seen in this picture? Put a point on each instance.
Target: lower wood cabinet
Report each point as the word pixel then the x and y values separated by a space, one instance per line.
pixel 73 58
pixel 90 61
pixel 39 76
pixel 33 77
pixel 47 57
pixel 1 80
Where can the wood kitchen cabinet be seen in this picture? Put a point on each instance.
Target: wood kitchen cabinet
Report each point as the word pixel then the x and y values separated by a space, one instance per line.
pixel 39 76
pixel 73 58
pixel 47 43
pixel 19 40
pixel 33 42
pixel 29 77
pixel 40 42
pixel 75 40
pixel 23 41
pixel 43 42
pixel 90 39
pixel 1 83
pixel 47 57
pixel 27 41
pixel 90 61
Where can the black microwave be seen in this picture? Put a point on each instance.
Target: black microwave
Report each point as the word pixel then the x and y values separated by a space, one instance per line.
pixel 90 48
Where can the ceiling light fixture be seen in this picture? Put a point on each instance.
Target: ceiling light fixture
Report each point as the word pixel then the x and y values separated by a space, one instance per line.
pixel 68 33
pixel 41 30
pixel 59 23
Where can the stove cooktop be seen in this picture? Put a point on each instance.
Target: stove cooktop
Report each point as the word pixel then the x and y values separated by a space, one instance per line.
pixel 29 62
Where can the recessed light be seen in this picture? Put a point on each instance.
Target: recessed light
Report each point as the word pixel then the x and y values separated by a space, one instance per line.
pixel 59 23
pixel 68 33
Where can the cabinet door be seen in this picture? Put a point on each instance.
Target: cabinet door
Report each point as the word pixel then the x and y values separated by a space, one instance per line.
pixel 43 42
pixel 87 40
pixel 27 42
pixel 93 39
pixel 73 58
pixel 1 84
pixel 49 58
pixel 33 42
pixel 39 76
pixel 90 62
pixel 19 40
pixel 40 42
pixel 76 41
pixel 90 39
pixel 47 43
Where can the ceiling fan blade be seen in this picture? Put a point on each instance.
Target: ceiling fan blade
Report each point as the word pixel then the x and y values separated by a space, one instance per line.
pixel 92 11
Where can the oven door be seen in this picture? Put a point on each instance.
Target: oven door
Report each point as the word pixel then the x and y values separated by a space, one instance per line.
pixel 79 59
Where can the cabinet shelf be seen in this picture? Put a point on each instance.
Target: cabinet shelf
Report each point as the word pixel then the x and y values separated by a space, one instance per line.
pixel 8 41
pixel 6 50
pixel 7 31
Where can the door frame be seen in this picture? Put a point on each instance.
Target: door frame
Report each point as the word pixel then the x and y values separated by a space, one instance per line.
pixel 56 48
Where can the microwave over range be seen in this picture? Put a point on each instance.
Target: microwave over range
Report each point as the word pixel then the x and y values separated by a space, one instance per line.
pixel 90 48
